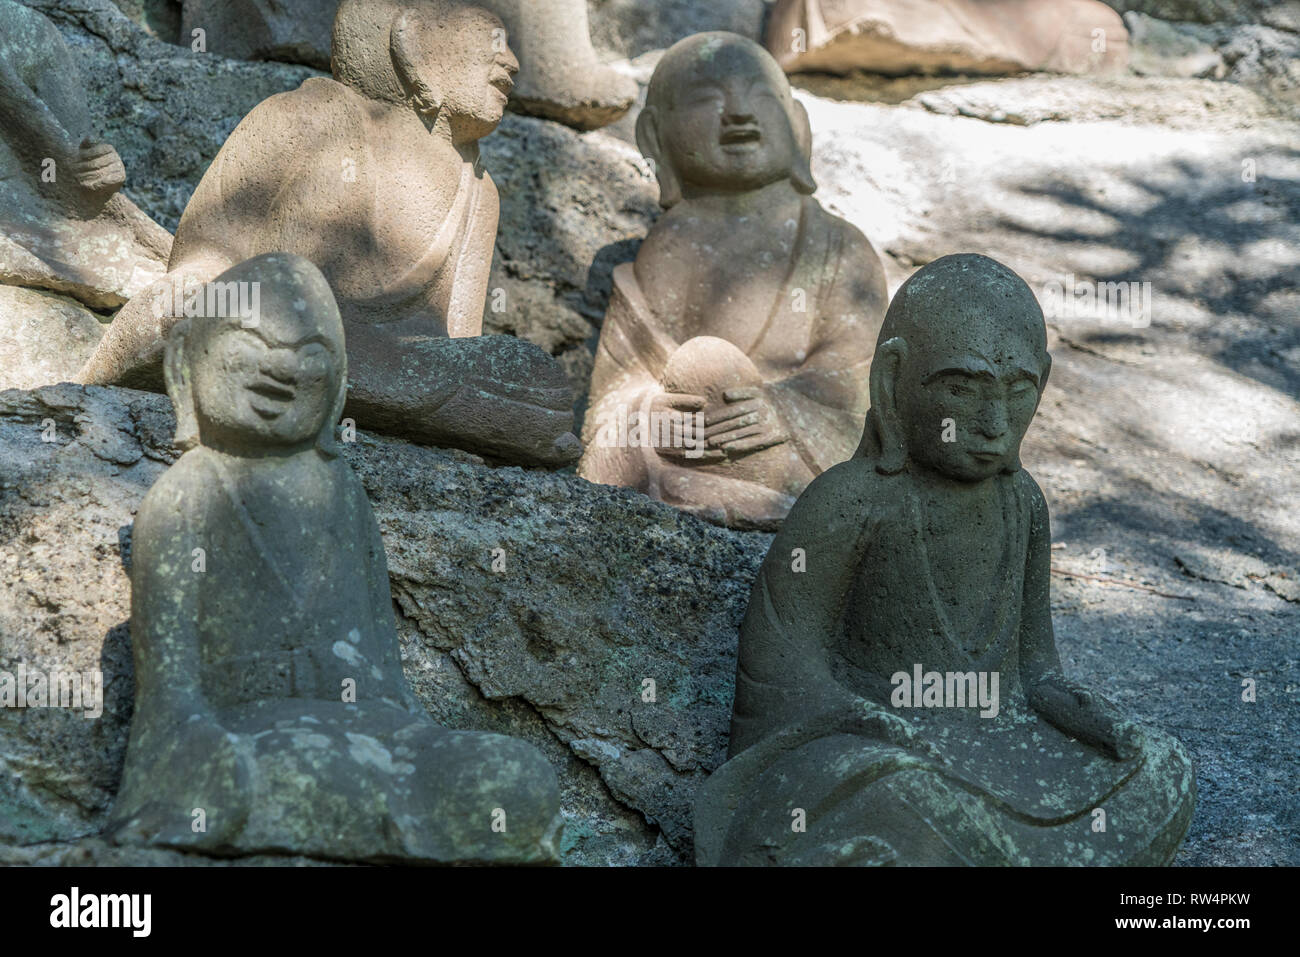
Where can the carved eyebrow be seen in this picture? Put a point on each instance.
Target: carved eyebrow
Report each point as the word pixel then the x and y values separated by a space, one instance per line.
pixel 317 337
pixel 979 370
pixel 972 370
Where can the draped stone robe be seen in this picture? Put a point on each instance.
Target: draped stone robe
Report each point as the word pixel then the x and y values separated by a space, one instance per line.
pixel 813 726
pixel 305 172
pixel 242 706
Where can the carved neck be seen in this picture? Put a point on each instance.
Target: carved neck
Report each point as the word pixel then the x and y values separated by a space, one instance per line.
pixel 768 199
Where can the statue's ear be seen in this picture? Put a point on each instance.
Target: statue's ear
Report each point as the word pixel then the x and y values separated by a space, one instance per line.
pixel 651 146
pixel 1016 466
pixel 801 172
pixel 885 367
pixel 176 374
pixel 404 47
pixel 328 441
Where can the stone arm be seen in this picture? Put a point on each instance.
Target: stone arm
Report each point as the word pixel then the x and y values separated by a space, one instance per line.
pixel 1065 703
pixel 31 128
pixel 783 672
pixel 179 757
pixel 165 607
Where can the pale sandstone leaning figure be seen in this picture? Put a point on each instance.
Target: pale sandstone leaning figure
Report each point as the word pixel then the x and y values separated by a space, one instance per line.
pixel 560 77
pixel 64 223
pixel 375 176
pixel 896 37
pixel 927 556
pixel 270 694
pixel 748 302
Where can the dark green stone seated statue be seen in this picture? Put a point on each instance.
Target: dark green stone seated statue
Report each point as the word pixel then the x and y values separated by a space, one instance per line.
pixel 899 696
pixel 271 711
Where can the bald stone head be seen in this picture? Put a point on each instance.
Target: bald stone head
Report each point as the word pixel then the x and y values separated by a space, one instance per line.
pixel 266 380
pixel 720 117
pixel 440 57
pixel 959 369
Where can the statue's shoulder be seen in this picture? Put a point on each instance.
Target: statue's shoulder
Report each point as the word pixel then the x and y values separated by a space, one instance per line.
pixel 847 496
pixel 320 105
pixel 1032 499
pixel 851 242
pixel 176 498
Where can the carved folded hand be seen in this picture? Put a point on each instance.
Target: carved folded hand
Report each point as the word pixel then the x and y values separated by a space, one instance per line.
pixel 747 423
pixel 97 168
pixel 1086 715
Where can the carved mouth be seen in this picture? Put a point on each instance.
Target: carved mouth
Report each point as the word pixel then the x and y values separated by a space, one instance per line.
pixel 986 456
pixel 740 135
pixel 502 83
pixel 269 390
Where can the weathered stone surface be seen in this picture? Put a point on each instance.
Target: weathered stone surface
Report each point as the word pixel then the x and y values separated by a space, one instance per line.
pixel 986 37
pixel 602 588
pixel 1150 173
pixel 629 28
pixel 166 109
pixel 44 337
pixel 1284 14
pixel 1161 48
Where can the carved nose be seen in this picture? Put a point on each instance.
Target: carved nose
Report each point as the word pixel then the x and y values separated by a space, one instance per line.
pixel 281 365
pixel 738 115
pixel 993 423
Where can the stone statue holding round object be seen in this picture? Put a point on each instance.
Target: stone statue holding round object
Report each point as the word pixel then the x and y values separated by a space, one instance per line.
pixel 271 711
pixel 899 694
pixel 375 176
pixel 732 363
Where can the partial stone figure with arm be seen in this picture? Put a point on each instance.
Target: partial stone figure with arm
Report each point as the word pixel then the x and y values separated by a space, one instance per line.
pixel 64 223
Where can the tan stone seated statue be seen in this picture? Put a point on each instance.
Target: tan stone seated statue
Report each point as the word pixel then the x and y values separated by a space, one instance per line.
pixel 899 694
pixel 64 224
pixel 749 306
pixel 272 715
pixel 560 77
pixel 375 177
pixel 897 37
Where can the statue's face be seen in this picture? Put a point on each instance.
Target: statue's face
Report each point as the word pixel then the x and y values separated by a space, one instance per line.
pixel 728 127
pixel 270 384
pixel 965 407
pixel 480 75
